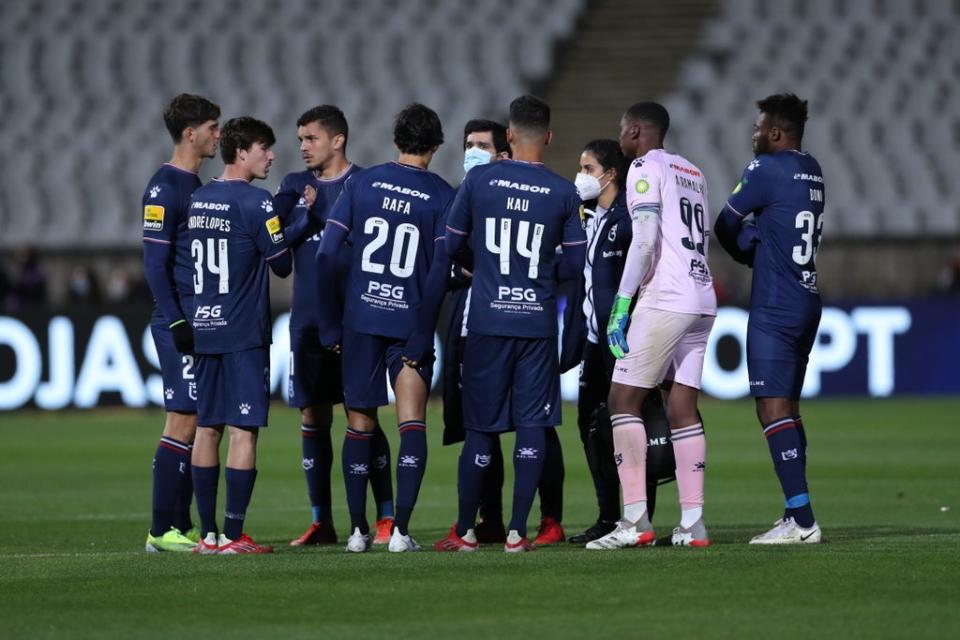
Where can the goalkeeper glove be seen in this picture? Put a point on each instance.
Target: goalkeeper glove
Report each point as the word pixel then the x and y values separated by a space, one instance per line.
pixel 617 326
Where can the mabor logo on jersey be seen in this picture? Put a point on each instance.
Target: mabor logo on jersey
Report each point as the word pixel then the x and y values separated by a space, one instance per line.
pixel 275 229
pixel 153 217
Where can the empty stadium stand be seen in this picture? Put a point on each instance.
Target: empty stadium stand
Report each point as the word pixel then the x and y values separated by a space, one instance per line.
pixel 84 82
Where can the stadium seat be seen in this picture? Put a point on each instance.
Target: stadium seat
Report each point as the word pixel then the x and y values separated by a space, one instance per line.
pixel 94 76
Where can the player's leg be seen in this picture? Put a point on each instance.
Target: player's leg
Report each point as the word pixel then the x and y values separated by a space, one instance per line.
pixel 653 337
pixel 686 432
pixel 172 486
pixel 593 423
pixel 551 492
pixel 205 457
pixel 248 405
pixel 534 408
pixel 381 484
pixel 776 377
pixel 317 449
pixel 411 390
pixel 487 380
pixel 491 527
pixel 205 468
pixel 364 390
pixel 315 386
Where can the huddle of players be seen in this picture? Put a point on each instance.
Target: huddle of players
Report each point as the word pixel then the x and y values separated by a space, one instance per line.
pixel 374 250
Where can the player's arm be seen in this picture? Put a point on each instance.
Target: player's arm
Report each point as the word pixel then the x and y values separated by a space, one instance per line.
pixel 459 221
pixel 268 236
pixel 158 253
pixel 738 235
pixel 420 342
pixel 329 310
pixel 297 230
pixel 574 242
pixel 645 205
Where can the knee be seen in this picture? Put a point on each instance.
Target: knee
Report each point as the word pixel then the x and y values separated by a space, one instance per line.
pixel 181 426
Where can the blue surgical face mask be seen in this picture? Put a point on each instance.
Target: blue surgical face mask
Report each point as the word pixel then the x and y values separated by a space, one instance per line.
pixel 474 156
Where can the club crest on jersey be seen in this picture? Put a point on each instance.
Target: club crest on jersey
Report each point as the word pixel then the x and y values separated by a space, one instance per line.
pixel 583 217
pixel 155 191
pixel 153 217
pixel 482 459
pixel 275 229
pixel 642 186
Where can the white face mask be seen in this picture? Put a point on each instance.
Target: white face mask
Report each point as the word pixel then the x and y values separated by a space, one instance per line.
pixel 588 186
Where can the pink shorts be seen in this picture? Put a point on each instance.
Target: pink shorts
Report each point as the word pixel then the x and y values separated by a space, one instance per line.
pixel 664 345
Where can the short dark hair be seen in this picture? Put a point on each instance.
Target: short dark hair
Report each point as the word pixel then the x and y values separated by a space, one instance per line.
pixel 188 110
pixel 787 111
pixel 652 112
pixel 530 114
pixel 243 133
pixel 498 133
pixel 417 129
pixel 610 156
pixel 329 117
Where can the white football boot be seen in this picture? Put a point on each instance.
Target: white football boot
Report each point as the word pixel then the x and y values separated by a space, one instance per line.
pixel 787 531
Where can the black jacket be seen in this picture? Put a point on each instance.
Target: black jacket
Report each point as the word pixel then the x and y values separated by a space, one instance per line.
pixel 608 252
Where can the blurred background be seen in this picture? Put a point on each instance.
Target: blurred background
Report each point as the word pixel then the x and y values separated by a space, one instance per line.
pixel 83 85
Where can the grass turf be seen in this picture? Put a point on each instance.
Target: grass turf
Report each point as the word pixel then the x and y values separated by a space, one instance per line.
pixel 74 511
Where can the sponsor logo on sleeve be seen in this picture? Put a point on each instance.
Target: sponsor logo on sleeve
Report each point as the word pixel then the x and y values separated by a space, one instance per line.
pixel 737 188
pixel 153 217
pixel 275 229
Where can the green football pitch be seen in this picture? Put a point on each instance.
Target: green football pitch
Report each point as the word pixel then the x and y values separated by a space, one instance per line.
pixel 885 481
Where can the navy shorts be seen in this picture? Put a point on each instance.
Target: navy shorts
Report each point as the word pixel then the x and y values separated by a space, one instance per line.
pixel 510 383
pixel 314 371
pixel 367 360
pixel 777 353
pixel 234 388
pixel 177 370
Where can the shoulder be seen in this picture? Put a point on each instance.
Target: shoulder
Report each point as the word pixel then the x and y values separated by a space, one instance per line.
pixel 295 180
pixel 254 200
pixel 442 185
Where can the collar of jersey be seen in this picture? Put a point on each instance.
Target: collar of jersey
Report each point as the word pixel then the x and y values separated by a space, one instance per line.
pixel 343 174
pixel 535 164
pixel 407 166
pixel 176 168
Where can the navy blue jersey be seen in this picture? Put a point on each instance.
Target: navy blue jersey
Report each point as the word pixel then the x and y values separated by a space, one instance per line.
pixel 516 214
pixel 303 308
pixel 166 203
pixel 233 233
pixel 785 192
pixel 395 214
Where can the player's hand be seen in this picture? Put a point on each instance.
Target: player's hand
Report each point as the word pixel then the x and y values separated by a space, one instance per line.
pixel 309 195
pixel 419 350
pixel 182 336
pixel 331 339
pixel 617 327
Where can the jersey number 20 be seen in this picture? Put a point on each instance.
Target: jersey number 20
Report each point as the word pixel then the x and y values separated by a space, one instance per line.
pixel 405 244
